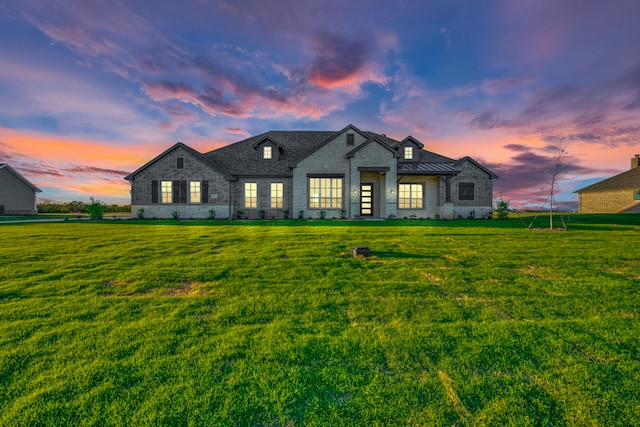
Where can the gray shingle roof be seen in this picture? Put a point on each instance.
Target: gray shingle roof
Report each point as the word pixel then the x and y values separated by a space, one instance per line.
pixel 629 180
pixel 241 158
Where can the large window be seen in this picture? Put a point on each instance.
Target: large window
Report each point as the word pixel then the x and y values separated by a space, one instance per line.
pixel 410 196
pixel 166 191
pixel 250 195
pixel 276 195
pixel 325 193
pixel 408 153
pixel 266 152
pixel 466 191
pixel 194 192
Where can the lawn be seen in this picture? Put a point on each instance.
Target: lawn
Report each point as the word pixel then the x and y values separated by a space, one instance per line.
pixel 467 323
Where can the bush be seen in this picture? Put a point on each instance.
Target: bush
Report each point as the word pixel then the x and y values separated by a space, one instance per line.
pixel 96 209
pixel 140 213
pixel 212 214
pixel 502 209
pixel 175 215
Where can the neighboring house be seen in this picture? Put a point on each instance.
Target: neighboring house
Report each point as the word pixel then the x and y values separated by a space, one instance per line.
pixel 17 194
pixel 618 194
pixel 313 174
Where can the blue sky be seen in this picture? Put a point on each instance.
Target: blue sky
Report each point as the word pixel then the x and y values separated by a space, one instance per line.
pixel 91 90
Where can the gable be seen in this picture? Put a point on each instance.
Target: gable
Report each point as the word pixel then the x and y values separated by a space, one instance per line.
pixel 13 175
pixel 169 161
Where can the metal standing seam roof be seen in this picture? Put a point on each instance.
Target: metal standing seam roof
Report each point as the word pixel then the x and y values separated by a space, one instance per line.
pixel 436 168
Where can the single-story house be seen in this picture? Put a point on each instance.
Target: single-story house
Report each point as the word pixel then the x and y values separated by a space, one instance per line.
pixel 618 194
pixel 312 174
pixel 17 194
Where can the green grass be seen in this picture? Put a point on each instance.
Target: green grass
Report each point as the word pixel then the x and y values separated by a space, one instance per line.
pixel 467 323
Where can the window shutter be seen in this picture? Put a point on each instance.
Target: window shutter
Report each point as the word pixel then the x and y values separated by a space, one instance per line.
pixel 154 191
pixel 183 192
pixel 176 191
pixel 205 192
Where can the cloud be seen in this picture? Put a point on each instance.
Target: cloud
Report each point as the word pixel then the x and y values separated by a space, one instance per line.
pixel 338 60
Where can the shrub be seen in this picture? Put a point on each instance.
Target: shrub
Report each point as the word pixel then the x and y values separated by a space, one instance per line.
pixel 263 214
pixel 301 214
pixel 286 213
pixel 140 214
pixel 239 214
pixel 343 214
pixel 212 214
pixel 96 209
pixel 175 215
pixel 322 214
pixel 502 209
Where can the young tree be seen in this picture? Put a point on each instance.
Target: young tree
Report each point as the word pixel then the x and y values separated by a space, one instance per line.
pixel 95 209
pixel 557 171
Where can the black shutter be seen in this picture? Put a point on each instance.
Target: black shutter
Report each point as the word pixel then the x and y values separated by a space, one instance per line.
pixel 176 191
pixel 183 192
pixel 205 191
pixel 154 191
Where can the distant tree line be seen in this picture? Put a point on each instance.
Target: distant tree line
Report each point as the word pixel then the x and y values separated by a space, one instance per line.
pixel 77 207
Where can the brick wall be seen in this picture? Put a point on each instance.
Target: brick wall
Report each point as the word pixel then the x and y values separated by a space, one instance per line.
pixel 613 201
pixel 194 170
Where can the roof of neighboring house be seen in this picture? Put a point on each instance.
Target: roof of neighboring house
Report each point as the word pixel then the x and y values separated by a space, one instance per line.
pixel 19 176
pixel 624 181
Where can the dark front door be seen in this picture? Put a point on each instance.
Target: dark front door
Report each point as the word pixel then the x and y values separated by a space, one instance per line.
pixel 366 199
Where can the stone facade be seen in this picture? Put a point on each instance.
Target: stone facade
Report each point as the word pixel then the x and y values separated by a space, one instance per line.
pixel 166 168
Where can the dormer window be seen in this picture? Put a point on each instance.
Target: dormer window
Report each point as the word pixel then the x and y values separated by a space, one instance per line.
pixel 180 164
pixel 408 153
pixel 349 139
pixel 266 152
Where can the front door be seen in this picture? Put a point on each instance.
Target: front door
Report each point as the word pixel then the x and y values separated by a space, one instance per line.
pixel 366 199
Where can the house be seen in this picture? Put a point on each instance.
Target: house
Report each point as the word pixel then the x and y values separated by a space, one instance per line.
pixel 312 174
pixel 17 194
pixel 618 194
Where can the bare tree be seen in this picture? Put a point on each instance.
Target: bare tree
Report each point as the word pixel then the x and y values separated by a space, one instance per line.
pixel 558 170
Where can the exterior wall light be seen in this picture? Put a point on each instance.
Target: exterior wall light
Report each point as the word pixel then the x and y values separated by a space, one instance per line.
pixel 392 192
pixel 355 191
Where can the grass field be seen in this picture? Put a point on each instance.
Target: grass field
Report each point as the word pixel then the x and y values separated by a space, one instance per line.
pixel 467 323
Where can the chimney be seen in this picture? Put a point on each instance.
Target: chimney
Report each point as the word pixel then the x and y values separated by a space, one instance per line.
pixel 634 161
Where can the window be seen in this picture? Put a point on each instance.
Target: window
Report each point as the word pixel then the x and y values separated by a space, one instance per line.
pixel 194 192
pixel 250 195
pixel 325 193
pixel 180 164
pixel 410 196
pixel 636 194
pixel 166 191
pixel 465 191
pixel 266 152
pixel 408 153
pixel 349 139
pixel 276 195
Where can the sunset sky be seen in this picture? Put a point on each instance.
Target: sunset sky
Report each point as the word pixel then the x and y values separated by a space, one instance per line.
pixel 91 90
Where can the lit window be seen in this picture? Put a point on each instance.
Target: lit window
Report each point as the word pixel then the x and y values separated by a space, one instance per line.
pixel 266 152
pixel 325 193
pixel 276 195
pixel 250 195
pixel 410 196
pixel 408 153
pixel 194 192
pixel 167 191
pixel 466 191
